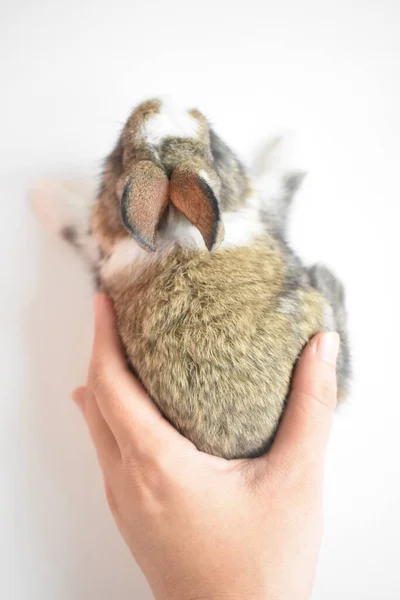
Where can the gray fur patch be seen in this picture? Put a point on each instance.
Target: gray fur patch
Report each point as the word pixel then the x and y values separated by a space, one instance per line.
pixel 235 184
pixel 326 282
pixel 293 181
pixel 69 234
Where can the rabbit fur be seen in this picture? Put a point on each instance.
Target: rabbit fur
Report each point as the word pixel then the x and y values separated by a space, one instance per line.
pixel 213 307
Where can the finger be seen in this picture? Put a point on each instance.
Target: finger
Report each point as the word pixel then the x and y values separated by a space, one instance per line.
pixel 78 396
pixel 107 348
pixel 130 413
pixel 107 450
pixel 304 431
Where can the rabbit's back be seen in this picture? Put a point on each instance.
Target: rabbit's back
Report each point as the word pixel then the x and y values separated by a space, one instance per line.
pixel 214 338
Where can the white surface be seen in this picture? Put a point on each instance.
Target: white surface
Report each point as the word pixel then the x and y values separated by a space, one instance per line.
pixel 70 72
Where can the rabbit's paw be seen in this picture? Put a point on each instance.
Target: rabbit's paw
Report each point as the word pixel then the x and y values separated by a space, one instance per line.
pixel 60 209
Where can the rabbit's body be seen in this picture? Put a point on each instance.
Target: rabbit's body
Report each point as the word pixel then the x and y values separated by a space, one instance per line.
pixel 210 336
pixel 213 336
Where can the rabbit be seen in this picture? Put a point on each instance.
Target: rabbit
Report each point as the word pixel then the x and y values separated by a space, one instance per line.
pixel 213 308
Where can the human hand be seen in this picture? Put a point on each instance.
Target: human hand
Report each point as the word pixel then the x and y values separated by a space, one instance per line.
pixel 199 526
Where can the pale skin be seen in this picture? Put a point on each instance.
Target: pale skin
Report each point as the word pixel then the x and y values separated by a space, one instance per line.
pixel 201 527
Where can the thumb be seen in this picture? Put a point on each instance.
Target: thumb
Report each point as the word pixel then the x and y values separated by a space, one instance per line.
pixel 306 424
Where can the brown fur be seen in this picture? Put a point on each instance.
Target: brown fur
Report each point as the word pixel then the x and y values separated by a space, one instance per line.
pixel 206 334
pixel 106 219
pixel 213 336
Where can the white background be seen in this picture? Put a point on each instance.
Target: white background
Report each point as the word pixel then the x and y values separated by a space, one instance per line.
pixel 70 73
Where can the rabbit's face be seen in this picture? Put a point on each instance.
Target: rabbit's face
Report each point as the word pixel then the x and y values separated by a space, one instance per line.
pixel 167 161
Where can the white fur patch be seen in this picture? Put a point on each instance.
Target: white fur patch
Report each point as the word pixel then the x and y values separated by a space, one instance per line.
pixel 126 253
pixel 179 229
pixel 204 175
pixel 243 225
pixel 171 121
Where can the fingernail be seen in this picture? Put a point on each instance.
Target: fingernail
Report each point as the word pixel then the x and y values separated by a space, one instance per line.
pixel 328 347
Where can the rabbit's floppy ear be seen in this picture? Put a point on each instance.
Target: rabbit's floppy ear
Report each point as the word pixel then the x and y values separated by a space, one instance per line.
pixel 143 202
pixel 194 198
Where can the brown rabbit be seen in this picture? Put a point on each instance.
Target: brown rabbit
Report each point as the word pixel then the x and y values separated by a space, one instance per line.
pixel 213 308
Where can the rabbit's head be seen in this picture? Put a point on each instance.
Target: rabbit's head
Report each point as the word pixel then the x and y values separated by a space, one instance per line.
pixel 168 159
